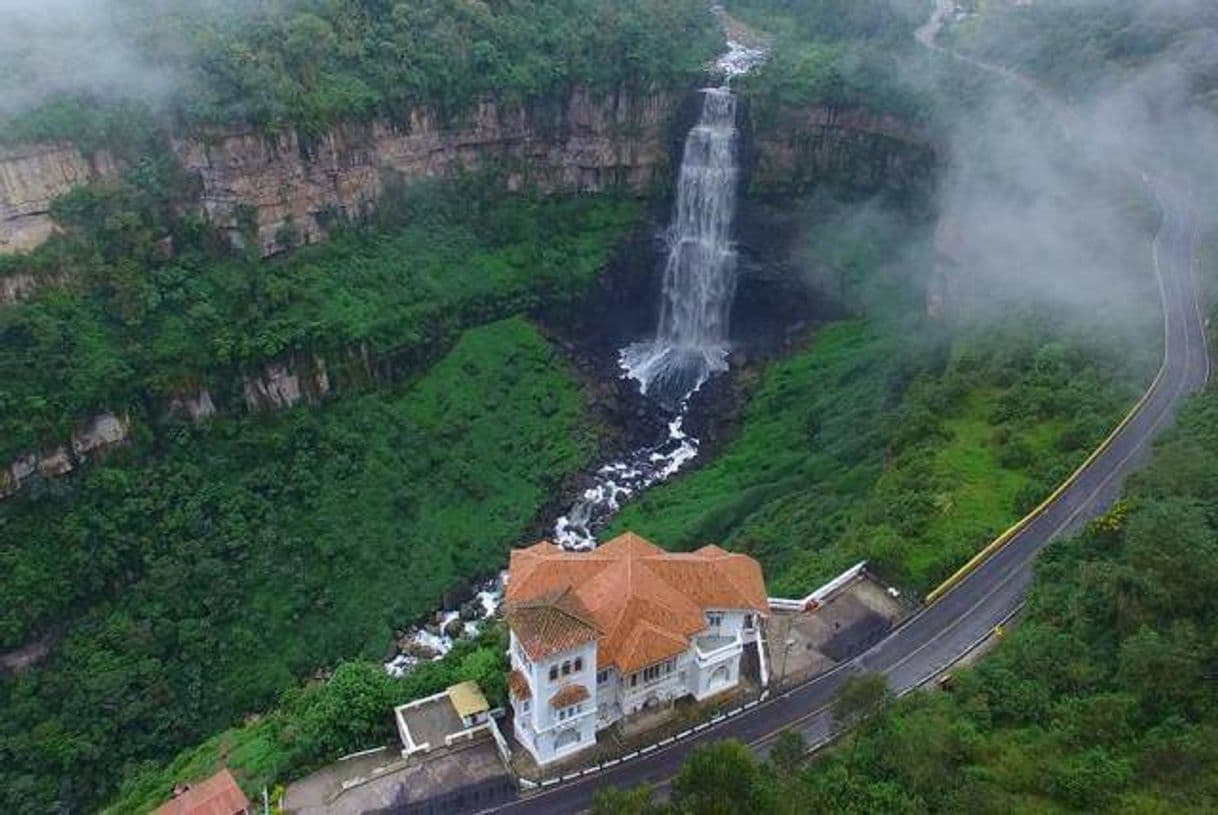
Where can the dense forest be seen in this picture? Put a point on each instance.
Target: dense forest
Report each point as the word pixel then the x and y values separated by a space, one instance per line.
pixel 196 573
pixel 903 439
pixel 1081 47
pixel 314 63
pixel 1103 699
pixel 189 581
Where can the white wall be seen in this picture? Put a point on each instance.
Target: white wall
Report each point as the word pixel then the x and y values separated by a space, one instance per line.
pixel 549 738
pixel 546 734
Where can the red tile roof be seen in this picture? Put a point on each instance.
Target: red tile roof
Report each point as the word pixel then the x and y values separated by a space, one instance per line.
pixel 644 603
pixel 218 795
pixel 550 623
pixel 518 685
pixel 568 695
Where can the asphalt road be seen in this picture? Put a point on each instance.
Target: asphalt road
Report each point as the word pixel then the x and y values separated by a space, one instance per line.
pixel 941 634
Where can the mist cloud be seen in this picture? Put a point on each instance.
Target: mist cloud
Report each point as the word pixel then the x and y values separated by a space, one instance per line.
pixel 78 47
pixel 1049 210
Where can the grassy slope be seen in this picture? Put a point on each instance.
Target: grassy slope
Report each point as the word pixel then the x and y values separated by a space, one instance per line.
pixel 135 326
pixel 898 439
pixel 1101 699
pixel 267 546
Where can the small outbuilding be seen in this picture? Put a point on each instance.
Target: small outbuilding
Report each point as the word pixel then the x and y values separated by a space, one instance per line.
pixel 443 719
pixel 218 795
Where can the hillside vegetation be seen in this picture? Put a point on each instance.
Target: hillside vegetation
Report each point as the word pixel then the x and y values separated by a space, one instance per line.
pixel 251 551
pixel 845 54
pixel 1081 47
pixel 143 303
pixel 1102 699
pixel 902 440
pixel 314 63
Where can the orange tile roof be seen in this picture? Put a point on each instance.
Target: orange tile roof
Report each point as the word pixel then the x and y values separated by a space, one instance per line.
pixel 645 603
pixel 218 795
pixel 518 685
pixel 553 622
pixel 568 695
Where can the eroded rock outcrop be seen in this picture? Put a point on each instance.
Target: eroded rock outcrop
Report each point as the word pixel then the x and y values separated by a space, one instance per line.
pixel 102 432
pixel 30 178
pixel 282 385
pixel 197 404
pixel 286 186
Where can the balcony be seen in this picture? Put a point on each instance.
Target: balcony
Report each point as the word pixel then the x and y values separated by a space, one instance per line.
pixel 710 648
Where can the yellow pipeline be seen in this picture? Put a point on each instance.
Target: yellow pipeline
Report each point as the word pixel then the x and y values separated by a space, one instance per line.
pixel 1005 538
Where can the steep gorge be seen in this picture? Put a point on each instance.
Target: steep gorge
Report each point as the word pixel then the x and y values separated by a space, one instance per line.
pixel 286 188
pixel 289 186
pixel 256 183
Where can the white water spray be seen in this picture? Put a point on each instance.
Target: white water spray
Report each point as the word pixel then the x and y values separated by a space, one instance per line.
pixel 697 303
pixel 691 340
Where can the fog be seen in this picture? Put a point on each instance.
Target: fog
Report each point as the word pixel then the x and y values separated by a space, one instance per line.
pixel 103 49
pixel 49 47
pixel 1044 204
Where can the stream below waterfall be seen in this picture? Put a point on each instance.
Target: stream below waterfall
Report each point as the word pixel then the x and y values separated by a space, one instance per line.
pixel 690 345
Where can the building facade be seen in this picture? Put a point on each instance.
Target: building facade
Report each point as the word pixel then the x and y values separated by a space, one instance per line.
pixel 599 636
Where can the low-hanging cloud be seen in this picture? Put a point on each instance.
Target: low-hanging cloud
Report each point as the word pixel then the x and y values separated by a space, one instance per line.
pixel 1045 207
pixel 76 47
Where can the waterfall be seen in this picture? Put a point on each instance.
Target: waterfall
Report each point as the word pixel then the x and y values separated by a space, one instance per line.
pixel 691 340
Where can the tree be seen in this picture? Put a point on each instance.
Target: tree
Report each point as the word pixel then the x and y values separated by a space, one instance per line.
pixel 634 801
pixel 858 703
pixel 723 779
pixel 861 698
pixel 788 751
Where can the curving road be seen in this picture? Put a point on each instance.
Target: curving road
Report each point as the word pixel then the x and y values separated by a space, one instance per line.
pixel 942 633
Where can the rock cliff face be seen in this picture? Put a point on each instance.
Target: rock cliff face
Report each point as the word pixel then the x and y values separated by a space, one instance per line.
pixel 30 178
pixel 99 434
pixel 823 144
pixel 287 188
pixel 286 383
pixel 586 143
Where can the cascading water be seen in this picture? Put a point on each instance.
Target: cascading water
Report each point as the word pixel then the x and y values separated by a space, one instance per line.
pixel 691 340
pixel 700 273
pixel 689 346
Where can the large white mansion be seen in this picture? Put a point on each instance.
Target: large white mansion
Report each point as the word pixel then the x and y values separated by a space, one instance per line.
pixel 600 635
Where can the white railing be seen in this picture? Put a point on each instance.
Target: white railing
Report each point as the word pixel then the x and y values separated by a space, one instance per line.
pixel 821 595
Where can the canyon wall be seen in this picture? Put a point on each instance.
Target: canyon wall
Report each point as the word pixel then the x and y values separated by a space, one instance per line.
pixel 799 148
pixel 286 187
pixel 30 178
